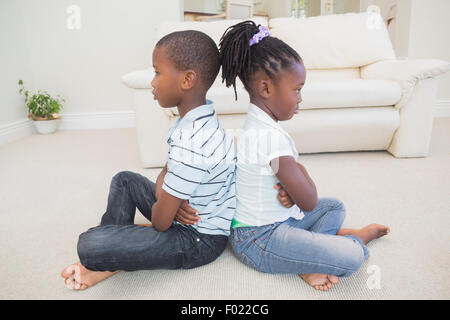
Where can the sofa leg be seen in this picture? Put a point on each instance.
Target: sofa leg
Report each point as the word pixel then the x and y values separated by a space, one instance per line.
pixel 412 138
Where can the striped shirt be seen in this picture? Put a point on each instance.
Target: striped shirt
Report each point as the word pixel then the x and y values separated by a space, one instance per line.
pixel 201 168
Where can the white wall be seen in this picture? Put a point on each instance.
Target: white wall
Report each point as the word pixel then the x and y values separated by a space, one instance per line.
pixel 85 66
pixel 430 37
pixel 422 32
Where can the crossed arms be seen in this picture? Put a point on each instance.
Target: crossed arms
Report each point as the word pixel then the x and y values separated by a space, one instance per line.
pixel 296 186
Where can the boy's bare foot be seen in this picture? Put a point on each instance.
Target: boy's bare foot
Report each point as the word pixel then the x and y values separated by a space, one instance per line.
pixel 77 277
pixel 322 282
pixel 368 233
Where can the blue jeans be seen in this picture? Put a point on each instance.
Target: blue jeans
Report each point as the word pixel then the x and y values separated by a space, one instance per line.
pixel 302 246
pixel 118 244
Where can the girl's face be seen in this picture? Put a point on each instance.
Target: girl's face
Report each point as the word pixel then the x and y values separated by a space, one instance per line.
pixel 167 79
pixel 287 92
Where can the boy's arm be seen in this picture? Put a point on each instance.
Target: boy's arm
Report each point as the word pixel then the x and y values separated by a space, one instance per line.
pixel 296 181
pixel 160 180
pixel 164 210
pixel 166 206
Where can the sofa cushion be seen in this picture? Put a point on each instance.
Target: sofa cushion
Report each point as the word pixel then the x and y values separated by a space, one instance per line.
pixel 331 94
pixel 332 74
pixel 335 41
pixel 349 93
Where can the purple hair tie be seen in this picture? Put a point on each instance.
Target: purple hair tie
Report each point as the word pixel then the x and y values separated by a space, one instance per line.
pixel 263 32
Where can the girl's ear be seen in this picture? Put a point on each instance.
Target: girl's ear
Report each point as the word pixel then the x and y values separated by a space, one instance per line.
pixel 264 88
pixel 189 79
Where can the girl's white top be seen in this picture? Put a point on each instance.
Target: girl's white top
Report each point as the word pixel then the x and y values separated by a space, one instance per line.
pixel 262 140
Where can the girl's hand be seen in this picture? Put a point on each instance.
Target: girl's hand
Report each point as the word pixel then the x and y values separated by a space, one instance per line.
pixel 186 214
pixel 283 196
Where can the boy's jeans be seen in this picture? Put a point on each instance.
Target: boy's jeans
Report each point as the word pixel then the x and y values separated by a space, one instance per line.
pixel 302 246
pixel 118 244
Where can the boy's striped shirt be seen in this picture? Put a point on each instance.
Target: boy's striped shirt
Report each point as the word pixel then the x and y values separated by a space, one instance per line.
pixel 201 168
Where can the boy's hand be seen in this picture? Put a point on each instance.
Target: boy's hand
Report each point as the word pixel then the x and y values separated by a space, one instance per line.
pixel 283 196
pixel 186 214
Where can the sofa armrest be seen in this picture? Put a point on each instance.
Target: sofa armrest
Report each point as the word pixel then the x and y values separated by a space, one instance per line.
pixel 405 72
pixel 140 79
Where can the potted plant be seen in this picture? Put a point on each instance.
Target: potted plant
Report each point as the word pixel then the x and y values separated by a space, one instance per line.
pixel 43 109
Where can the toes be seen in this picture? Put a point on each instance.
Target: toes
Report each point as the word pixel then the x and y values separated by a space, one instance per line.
pixel 77 274
pixel 70 283
pixel 68 271
pixel 83 287
pixel 333 279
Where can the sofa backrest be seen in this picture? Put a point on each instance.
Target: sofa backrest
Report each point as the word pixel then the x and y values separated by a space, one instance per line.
pixel 347 40
pixel 214 29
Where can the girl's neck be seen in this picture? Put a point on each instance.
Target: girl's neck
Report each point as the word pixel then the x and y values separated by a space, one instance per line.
pixel 263 106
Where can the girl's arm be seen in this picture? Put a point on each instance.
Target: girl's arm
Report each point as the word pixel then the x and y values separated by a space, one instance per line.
pixel 296 181
pixel 302 168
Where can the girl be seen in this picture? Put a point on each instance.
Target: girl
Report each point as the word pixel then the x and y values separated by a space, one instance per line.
pixel 290 230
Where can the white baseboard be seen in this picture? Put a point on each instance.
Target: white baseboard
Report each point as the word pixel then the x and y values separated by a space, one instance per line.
pixel 70 121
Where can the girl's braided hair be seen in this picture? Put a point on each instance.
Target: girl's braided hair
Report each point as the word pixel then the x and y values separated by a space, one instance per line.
pixel 239 59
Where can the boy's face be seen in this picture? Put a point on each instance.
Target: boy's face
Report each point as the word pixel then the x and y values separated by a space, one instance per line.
pixel 287 92
pixel 167 80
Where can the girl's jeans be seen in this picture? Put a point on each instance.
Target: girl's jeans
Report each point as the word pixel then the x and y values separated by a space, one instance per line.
pixel 302 246
pixel 118 244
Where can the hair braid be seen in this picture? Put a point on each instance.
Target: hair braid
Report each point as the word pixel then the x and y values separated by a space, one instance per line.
pixel 239 59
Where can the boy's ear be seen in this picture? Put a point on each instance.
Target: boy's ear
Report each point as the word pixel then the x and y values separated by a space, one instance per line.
pixel 189 79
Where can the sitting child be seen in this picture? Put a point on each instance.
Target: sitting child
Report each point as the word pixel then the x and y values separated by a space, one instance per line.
pixel 198 178
pixel 290 230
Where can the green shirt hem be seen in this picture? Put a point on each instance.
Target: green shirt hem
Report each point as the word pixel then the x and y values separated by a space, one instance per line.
pixel 237 224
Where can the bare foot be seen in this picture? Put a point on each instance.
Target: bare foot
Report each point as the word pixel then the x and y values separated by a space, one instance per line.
pixel 368 233
pixel 77 277
pixel 322 282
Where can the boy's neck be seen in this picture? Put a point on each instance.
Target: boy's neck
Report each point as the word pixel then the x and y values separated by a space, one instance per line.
pixel 190 103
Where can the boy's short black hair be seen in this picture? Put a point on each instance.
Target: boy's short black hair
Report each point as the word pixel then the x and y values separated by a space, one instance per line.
pixel 191 49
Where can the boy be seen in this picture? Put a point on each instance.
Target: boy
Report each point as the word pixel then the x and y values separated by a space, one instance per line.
pixel 199 177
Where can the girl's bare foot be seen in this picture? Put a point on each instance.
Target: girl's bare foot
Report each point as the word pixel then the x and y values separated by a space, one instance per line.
pixel 322 282
pixel 368 233
pixel 77 277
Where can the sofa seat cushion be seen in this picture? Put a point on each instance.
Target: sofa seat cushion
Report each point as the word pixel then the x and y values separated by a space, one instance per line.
pixel 350 93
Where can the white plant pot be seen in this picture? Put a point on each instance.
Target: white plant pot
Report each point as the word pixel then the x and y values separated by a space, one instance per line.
pixel 47 126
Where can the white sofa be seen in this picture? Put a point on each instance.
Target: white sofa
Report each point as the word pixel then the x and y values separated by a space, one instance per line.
pixel 358 96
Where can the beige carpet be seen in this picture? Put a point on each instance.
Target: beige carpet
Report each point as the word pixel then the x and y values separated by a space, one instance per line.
pixel 53 187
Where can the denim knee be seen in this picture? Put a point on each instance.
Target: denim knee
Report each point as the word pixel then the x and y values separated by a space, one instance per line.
pixel 122 175
pixel 355 259
pixel 338 210
pixel 87 248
